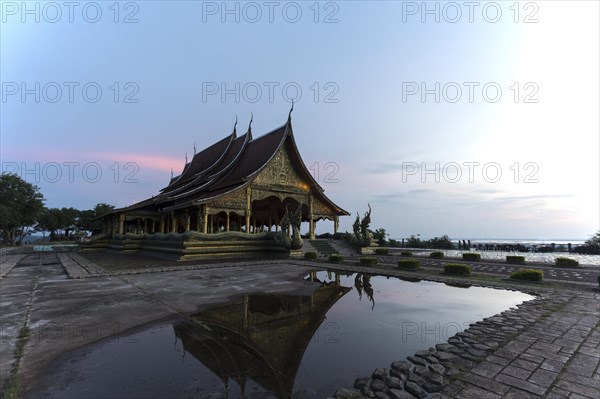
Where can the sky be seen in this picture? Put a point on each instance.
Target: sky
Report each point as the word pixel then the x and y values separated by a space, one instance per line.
pixel 471 119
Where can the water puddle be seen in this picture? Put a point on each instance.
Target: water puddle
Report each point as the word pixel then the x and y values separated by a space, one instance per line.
pixel 269 346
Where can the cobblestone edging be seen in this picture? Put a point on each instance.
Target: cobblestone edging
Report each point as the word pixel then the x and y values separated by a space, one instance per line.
pixel 549 345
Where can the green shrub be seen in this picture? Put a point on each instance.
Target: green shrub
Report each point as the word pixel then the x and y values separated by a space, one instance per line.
pixel 527 275
pixel 368 261
pixel 412 264
pixel 566 262
pixel 436 255
pixel 458 269
pixel 336 258
pixel 310 255
pixel 381 251
pixel 471 256
pixel 519 260
pixel 406 253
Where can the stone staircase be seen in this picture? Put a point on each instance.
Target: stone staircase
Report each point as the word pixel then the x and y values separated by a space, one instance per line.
pixel 323 247
pixel 342 247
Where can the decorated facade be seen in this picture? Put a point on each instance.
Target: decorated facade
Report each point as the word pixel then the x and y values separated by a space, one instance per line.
pixel 239 184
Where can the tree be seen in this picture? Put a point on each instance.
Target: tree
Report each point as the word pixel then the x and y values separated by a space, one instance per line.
pixel 591 245
pixel 50 220
pixel 20 206
pixel 88 220
pixel 380 235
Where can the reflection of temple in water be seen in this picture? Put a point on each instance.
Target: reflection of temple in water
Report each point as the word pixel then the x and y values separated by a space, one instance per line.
pixel 259 337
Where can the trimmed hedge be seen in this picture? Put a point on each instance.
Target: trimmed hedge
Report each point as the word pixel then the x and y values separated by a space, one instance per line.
pixel 310 255
pixel 471 256
pixel 436 255
pixel 566 262
pixel 411 264
pixel 381 251
pixel 518 260
pixel 458 269
pixel 368 261
pixel 527 275
pixel 336 258
pixel 406 253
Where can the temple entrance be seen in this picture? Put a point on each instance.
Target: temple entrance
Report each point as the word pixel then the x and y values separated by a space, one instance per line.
pixel 268 212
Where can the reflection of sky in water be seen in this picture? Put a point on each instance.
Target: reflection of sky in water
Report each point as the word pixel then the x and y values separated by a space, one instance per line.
pixel 406 317
pixel 353 339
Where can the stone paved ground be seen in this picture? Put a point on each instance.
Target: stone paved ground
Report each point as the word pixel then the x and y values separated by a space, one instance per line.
pixel 545 348
pixel 584 274
pixel 548 347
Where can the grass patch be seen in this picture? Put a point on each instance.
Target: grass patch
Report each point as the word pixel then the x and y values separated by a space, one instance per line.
pixel 458 269
pixel 566 262
pixel 436 255
pixel 381 251
pixel 368 261
pixel 336 258
pixel 310 255
pixel 527 275
pixel 517 260
pixel 12 388
pixel 410 264
pixel 471 256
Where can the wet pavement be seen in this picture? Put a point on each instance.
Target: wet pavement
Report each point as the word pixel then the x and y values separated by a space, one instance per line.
pixel 66 313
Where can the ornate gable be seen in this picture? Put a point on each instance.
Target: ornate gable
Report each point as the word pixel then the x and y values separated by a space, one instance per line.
pixel 281 175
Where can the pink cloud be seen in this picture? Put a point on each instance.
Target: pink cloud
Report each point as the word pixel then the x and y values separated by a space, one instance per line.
pixel 155 162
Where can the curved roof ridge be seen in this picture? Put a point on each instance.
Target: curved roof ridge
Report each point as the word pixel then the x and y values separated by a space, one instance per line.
pixel 214 178
pixel 197 157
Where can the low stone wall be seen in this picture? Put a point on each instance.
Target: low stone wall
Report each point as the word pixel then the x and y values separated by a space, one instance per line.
pixel 197 246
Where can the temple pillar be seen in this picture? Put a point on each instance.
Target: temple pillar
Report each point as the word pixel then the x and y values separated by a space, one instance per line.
pixel 161 227
pixel 173 223
pixel 245 310
pixel 198 219
pixel 336 224
pixel 311 223
pixel 205 226
pixel 187 220
pixel 121 223
pixel 248 210
pixel 227 222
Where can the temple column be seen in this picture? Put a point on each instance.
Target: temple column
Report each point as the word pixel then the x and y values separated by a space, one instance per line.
pixel 311 223
pixel 161 227
pixel 121 223
pixel 198 220
pixel 187 220
pixel 227 222
pixel 205 226
pixel 248 209
pixel 336 223
pixel 245 310
pixel 173 223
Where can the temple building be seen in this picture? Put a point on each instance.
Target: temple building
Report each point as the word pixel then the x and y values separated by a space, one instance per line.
pixel 239 184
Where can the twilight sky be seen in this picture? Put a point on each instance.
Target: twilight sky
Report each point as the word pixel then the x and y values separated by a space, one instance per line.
pixel 472 119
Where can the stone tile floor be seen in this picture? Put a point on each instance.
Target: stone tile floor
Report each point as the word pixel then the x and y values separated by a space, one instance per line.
pixel 548 347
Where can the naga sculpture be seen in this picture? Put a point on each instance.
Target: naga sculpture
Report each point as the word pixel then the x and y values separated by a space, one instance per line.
pixel 294 220
pixel 362 235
